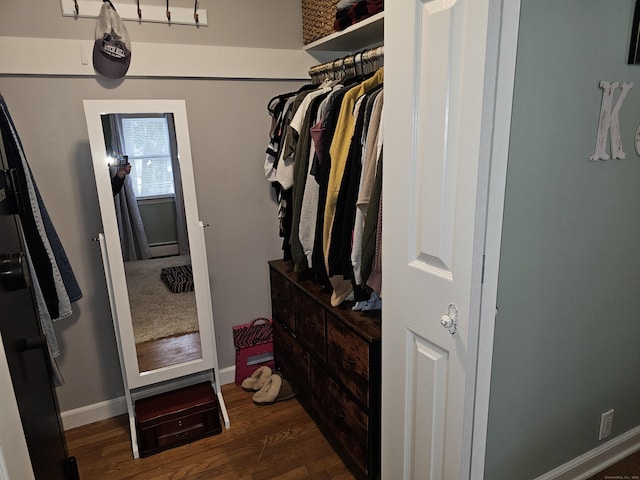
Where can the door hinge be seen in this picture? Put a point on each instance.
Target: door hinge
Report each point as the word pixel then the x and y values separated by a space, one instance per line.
pixel 482 276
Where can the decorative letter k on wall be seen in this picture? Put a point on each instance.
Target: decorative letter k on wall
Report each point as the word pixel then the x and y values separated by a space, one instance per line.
pixel 609 122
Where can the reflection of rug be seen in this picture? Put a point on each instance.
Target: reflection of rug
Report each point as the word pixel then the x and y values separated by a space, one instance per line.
pixel 178 279
pixel 156 311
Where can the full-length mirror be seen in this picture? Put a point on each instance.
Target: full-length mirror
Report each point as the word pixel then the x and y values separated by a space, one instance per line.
pixel 148 202
pixel 153 246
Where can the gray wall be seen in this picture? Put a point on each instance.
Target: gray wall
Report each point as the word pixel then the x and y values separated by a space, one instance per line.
pixel 567 330
pixel 241 23
pixel 228 125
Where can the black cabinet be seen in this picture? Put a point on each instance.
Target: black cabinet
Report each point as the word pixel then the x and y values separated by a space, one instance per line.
pixel 26 349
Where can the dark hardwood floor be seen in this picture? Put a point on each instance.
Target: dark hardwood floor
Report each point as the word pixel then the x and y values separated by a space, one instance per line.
pixel 168 351
pixel 264 443
pixel 279 441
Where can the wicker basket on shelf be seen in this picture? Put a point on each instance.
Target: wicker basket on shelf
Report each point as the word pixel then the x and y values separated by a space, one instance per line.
pixel 318 17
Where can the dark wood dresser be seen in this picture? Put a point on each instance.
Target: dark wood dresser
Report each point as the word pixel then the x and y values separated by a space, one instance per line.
pixel 332 355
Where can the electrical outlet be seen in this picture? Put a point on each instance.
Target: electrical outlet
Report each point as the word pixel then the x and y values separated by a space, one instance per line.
pixel 606 424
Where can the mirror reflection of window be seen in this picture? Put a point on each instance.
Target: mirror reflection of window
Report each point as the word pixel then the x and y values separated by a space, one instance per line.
pixel 153 212
pixel 153 237
pixel 146 141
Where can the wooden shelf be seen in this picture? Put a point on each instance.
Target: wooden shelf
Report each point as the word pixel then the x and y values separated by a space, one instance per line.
pixel 365 34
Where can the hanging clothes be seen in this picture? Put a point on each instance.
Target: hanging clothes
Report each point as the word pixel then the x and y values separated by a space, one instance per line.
pixel 339 152
pixel 323 154
pixel 370 158
pixel 282 108
pixel 300 171
pixel 54 283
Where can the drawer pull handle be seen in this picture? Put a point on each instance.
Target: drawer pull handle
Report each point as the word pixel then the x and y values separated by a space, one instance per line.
pixel 338 415
pixel 181 435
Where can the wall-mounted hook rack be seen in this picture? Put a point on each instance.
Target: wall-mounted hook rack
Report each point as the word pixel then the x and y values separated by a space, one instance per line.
pixel 133 12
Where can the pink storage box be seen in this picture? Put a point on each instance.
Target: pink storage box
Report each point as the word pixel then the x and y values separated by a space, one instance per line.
pixel 254 347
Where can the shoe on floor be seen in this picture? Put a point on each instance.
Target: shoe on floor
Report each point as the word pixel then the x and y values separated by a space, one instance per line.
pixel 257 379
pixel 277 389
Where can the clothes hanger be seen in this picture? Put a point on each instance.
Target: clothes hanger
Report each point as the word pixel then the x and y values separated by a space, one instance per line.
pixel 168 12
pixel 195 11
pixel 357 59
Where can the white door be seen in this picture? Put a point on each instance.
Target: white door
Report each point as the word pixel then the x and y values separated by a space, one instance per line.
pixel 439 99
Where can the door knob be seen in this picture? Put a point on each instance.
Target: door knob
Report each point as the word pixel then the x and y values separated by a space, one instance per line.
pixel 450 319
pixel 14 272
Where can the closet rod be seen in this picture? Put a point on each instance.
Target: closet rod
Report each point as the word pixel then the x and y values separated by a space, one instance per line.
pixel 367 61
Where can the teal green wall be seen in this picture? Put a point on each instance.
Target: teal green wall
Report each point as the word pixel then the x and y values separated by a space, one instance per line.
pixel 567 337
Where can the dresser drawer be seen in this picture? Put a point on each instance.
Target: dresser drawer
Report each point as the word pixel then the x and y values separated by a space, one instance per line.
pixel 178 432
pixel 292 360
pixel 282 300
pixel 310 328
pixel 348 358
pixel 341 416
pixel 180 425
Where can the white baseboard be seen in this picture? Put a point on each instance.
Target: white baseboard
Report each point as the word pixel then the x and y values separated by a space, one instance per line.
pixel 596 460
pixel 95 412
pixel 227 375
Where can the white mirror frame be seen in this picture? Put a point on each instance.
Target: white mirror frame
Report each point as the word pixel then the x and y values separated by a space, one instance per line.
pixel 112 256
